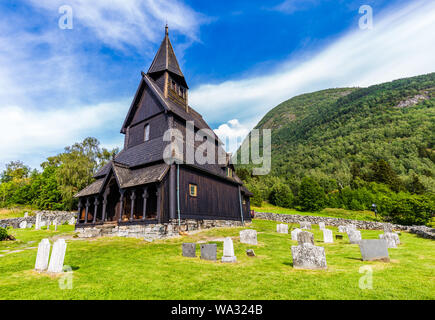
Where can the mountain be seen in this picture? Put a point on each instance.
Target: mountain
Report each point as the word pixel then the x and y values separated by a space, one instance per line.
pixel 329 132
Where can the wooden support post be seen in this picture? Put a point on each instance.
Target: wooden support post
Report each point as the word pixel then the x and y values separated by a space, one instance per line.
pixel 96 203
pixel 132 198
pixel 172 192
pixel 79 212
pixel 104 214
pixel 145 197
pixel 87 210
pixel 121 209
pixel 159 195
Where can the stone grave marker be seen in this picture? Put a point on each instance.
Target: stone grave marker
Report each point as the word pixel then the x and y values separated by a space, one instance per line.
pixel 388 227
pixel 305 237
pixel 26 214
pixel 321 225
pixel 23 224
pixel 327 236
pixel 72 221
pixel 373 249
pixel 248 236
pixel 38 222
pixel 189 250
pixel 282 228
pixel 228 251
pixel 295 233
pixel 305 225
pixel 57 257
pixel 43 255
pixel 250 253
pixel 209 251
pixel 351 227
pixel 342 229
pixel 308 256
pixel 354 236
pixel 391 238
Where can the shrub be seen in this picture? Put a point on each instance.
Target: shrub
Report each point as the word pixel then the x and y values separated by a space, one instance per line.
pixel 3 234
pixel 281 196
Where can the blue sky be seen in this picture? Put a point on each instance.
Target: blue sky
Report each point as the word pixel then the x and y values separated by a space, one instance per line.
pixel 240 59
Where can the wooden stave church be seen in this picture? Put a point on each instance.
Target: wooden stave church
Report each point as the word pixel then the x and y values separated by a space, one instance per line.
pixel 137 186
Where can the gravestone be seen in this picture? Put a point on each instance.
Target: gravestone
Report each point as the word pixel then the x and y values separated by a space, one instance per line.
pixel 43 255
pixel 305 237
pixel 209 251
pixel 305 225
pixel 308 256
pixel 354 236
pixel 351 227
pixel 327 236
pixel 391 238
pixel 38 222
pixel 248 236
pixel 189 250
pixel 57 257
pixel 388 228
pixel 282 228
pixel 228 251
pixel 26 214
pixel 55 225
pixel 342 229
pixel 29 225
pixel 295 233
pixel 23 224
pixel 72 221
pixel 321 225
pixel 374 249
pixel 250 253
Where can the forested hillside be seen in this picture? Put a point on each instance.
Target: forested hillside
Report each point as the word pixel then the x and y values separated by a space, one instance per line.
pixel 354 138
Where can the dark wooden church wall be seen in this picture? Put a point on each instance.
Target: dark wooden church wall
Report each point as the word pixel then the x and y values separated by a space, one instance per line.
pixel 158 125
pixel 216 199
pixel 148 106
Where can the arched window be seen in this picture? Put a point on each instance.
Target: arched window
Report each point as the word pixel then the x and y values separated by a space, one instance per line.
pixel 147 132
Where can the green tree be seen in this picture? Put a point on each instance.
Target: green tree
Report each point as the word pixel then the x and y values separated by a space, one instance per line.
pixel 311 195
pixel 281 195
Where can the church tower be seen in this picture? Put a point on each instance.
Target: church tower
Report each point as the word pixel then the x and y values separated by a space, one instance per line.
pixel 166 72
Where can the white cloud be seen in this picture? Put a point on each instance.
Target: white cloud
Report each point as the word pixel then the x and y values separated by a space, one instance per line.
pixel 232 133
pixel 401 44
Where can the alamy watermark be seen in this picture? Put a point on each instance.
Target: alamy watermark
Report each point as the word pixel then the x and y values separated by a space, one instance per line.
pixel 366 281
pixel 66 280
pixel 366 20
pixel 200 148
pixel 66 20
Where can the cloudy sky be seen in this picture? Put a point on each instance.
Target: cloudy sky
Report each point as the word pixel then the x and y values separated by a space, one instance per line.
pixel 241 58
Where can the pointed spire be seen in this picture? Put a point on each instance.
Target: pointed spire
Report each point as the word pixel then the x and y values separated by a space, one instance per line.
pixel 165 59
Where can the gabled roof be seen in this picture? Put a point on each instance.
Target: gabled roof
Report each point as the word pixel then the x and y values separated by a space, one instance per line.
pixel 165 59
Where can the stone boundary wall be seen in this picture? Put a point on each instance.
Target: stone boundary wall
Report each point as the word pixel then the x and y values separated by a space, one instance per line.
pixel 150 232
pixel 423 231
pixel 61 216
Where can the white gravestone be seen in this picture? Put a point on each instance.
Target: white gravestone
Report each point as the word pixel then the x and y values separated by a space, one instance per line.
pixel 321 225
pixel 354 236
pixel 308 256
pixel 295 233
pixel 327 236
pixel 342 229
pixel 282 228
pixel 305 225
pixel 29 225
pixel 72 221
pixel 57 257
pixel 38 222
pixel 43 255
pixel 26 214
pixel 228 251
pixel 248 236
pixel 391 238
pixel 23 224
pixel 351 227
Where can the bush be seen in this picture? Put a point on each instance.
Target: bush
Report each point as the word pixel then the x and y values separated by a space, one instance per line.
pixel 311 195
pixel 3 234
pixel 281 196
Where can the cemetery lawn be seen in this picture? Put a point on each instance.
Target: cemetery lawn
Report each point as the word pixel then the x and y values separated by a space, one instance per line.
pixel 15 212
pixel 128 268
pixel 328 212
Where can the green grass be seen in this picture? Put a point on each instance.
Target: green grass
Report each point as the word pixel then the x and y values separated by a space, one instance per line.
pixel 15 212
pixel 123 268
pixel 328 212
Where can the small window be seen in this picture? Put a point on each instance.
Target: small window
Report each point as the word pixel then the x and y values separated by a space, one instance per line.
pixel 229 172
pixel 193 189
pixel 147 132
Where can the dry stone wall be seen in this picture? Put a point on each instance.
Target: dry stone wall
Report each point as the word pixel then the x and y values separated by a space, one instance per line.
pixel 61 217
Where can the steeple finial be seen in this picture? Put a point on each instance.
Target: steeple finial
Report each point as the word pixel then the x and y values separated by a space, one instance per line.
pixel 166 29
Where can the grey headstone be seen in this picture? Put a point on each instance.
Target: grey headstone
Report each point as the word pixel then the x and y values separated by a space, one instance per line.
pixel 295 233
pixel 308 256
pixel 23 224
pixel 354 236
pixel 26 214
pixel 250 253
pixel 72 221
pixel 305 237
pixel 391 238
pixel 282 228
pixel 248 236
pixel 327 236
pixel 189 250
pixel 57 256
pixel 342 229
pixel 321 225
pixel 374 249
pixel 38 221
pixel 305 225
pixel 228 251
pixel 388 227
pixel 209 251
pixel 43 255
